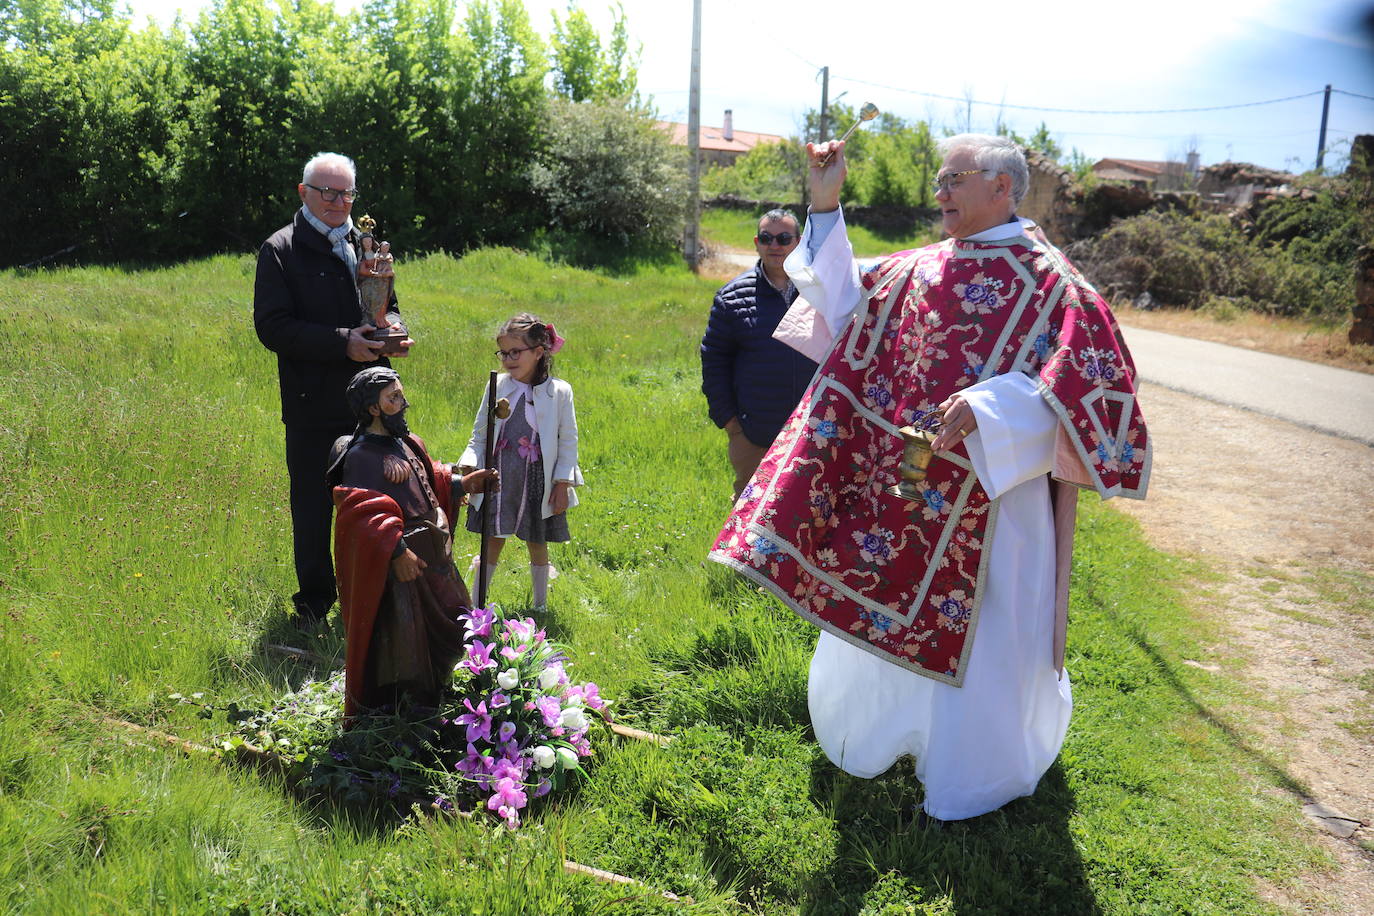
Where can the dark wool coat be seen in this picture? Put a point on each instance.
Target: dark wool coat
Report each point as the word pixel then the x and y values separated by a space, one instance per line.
pixel 302 296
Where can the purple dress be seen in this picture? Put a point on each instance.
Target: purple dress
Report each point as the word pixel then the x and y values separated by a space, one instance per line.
pixel 518 505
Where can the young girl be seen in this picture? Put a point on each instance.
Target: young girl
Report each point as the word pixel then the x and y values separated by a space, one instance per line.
pixel 535 449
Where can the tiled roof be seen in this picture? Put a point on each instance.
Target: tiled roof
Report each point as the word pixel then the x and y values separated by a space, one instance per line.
pixel 1138 168
pixel 1120 174
pixel 713 138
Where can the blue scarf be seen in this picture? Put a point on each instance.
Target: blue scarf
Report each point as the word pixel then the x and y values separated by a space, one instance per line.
pixel 338 238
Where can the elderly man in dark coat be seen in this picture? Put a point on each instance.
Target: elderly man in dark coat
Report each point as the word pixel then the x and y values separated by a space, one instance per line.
pixel 307 310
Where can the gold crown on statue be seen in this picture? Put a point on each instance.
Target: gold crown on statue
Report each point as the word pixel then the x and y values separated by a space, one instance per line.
pixel 367 223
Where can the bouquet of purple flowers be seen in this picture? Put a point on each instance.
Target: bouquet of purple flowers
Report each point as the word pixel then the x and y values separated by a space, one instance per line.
pixel 509 727
pixel 524 723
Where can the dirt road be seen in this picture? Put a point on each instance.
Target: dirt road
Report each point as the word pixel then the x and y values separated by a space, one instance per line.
pixel 1286 515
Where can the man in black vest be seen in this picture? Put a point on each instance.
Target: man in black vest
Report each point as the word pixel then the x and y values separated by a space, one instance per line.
pixel 751 381
pixel 307 310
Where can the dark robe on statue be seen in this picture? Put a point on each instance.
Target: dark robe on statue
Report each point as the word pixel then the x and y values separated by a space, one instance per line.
pixel 403 638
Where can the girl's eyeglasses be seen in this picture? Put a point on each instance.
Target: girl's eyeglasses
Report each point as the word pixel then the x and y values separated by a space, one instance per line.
pixel 512 353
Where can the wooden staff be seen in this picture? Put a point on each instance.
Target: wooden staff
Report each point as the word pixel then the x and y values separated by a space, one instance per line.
pixel 495 409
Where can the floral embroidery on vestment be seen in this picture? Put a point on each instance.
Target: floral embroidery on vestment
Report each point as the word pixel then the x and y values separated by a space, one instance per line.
pixel 817 523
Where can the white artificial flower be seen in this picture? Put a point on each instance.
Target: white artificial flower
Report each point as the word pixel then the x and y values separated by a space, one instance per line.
pixel 508 679
pixel 548 678
pixel 544 756
pixel 571 717
pixel 568 757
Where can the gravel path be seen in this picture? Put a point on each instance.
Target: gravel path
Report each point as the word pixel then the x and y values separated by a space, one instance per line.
pixel 1286 516
pixel 1330 400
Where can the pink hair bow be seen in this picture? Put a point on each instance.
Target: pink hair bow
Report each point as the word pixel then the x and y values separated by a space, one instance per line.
pixel 555 342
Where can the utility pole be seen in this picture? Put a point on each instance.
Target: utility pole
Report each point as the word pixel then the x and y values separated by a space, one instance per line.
pixel 825 105
pixel 1321 137
pixel 691 248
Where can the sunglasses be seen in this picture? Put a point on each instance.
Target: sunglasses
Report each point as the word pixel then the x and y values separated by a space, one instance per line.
pixel 782 238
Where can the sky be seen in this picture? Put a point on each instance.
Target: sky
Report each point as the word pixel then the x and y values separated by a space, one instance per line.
pixel 921 60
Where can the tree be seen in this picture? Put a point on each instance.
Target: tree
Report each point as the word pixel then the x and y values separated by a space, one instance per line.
pixel 769 171
pixel 1039 140
pixel 159 144
pixel 583 70
pixel 891 160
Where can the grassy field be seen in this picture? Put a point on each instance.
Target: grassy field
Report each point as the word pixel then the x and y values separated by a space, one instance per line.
pixel 147 552
pixel 736 229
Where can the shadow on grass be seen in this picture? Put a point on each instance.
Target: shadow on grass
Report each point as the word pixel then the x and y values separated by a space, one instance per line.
pixel 1262 760
pixel 1018 859
pixel 601 255
pixel 285 672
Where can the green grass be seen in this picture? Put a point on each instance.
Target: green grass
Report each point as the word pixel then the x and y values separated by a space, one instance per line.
pixel 736 228
pixel 147 551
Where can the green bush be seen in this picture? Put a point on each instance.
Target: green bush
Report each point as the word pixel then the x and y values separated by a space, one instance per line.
pixel 608 173
pixel 770 171
pixel 154 145
pixel 1207 261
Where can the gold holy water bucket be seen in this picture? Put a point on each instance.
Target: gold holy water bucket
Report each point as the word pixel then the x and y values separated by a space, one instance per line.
pixel 916 458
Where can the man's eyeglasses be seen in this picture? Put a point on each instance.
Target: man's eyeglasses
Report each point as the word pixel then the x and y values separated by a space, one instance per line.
pixel 946 182
pixel 329 195
pixel 511 353
pixel 782 238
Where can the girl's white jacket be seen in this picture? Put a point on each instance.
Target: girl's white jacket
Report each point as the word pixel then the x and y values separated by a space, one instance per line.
pixel 557 422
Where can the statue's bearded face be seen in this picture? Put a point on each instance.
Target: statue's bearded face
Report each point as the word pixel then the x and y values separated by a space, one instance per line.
pixel 391 409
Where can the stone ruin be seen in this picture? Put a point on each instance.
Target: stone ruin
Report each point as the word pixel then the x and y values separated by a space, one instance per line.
pixel 1362 328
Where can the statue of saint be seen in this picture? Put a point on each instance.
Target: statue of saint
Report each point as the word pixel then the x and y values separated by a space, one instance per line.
pixel 376 277
pixel 399 592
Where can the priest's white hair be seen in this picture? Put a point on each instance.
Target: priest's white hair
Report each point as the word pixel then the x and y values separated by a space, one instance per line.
pixel 330 159
pixel 998 155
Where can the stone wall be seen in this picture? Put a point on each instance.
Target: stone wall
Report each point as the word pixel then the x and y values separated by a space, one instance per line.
pixel 894 221
pixel 1362 328
pixel 1052 201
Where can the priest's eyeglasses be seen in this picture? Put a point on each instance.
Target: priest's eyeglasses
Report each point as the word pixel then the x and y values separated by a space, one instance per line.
pixel 329 195
pixel 946 182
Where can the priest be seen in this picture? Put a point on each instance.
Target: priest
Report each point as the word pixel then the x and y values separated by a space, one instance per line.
pixel 942 616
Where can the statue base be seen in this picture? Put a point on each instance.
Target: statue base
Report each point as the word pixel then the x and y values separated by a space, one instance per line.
pixel 391 340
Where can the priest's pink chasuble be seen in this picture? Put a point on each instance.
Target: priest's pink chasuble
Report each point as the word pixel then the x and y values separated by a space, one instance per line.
pixel 900 578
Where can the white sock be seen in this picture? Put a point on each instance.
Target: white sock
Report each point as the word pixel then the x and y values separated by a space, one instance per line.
pixel 539 581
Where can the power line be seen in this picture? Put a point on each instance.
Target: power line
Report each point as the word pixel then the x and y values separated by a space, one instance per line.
pixel 766 27
pixel 1355 94
pixel 1210 134
pixel 1088 111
